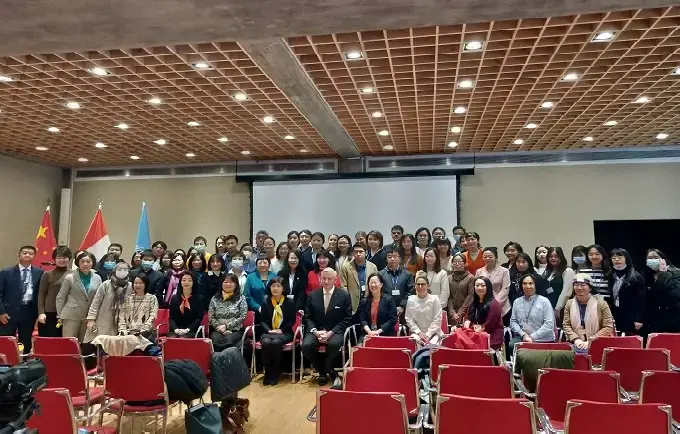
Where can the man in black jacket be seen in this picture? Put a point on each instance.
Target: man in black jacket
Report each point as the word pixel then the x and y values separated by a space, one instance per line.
pixel 398 281
pixel 328 314
pixel 154 276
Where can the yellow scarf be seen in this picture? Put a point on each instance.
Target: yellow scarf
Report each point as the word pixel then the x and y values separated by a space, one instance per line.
pixel 227 297
pixel 278 313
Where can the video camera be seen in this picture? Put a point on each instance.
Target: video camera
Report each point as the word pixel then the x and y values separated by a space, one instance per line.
pixel 18 385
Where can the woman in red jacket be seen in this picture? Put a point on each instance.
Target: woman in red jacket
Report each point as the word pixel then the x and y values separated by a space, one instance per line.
pixel 484 314
pixel 324 259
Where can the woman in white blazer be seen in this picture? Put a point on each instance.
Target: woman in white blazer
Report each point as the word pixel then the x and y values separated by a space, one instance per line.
pixel 75 296
pixel 436 275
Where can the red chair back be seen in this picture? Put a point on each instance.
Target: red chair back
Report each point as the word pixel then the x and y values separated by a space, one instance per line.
pixel 583 362
pixel 448 356
pixel 630 362
pixel 162 322
pixel 363 357
pixel 597 345
pixel 397 381
pixel 65 371
pixel 333 406
pixel 298 321
pixel 479 381
pixel 56 414
pixel 471 415
pixel 9 346
pixel 138 378
pixel 53 346
pixel 198 350
pixel 661 387
pixel 587 417
pixel 669 341
pixel 445 323
pixel 557 386
pixel 401 342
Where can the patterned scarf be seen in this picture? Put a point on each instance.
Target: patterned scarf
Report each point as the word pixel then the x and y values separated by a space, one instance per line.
pixel 185 304
pixel 172 286
pixel 277 318
pixel 226 297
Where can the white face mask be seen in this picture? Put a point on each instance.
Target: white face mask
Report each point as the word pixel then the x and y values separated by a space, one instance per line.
pixel 238 263
pixel 122 274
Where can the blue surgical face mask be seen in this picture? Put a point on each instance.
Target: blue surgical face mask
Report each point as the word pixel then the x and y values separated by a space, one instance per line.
pixel 147 265
pixel 579 260
pixel 108 265
pixel 653 263
pixel 199 248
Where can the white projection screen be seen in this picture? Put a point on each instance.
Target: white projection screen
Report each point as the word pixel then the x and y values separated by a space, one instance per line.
pixel 347 206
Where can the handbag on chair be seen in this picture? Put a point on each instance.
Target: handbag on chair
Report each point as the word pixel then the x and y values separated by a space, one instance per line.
pixel 203 419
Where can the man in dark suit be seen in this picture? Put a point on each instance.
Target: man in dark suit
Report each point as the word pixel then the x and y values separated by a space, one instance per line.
pixel 19 298
pixel 328 314
pixel 398 282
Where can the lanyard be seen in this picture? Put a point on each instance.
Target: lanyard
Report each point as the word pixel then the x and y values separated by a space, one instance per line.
pixel 526 317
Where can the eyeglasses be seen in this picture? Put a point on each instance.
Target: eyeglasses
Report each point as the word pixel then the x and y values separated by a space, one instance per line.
pixel 421 284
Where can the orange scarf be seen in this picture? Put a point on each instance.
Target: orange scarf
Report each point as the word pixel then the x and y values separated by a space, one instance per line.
pixel 184 304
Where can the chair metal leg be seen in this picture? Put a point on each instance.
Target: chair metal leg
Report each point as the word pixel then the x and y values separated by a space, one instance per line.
pixel 165 420
pixel 292 369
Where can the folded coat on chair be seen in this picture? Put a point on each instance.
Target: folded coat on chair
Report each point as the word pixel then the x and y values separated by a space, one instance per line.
pixel 528 362
pixel 229 373
pixel 468 339
pixel 185 381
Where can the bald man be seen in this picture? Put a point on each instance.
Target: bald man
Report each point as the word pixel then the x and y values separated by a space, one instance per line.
pixel 328 314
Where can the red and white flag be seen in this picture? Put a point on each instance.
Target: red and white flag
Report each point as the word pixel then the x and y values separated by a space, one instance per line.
pixel 97 238
pixel 45 243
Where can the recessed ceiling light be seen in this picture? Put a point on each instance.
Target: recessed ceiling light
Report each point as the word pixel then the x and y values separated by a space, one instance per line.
pixel 460 110
pixel 383 133
pixel 193 124
pixel 160 141
pixel 223 139
pixel 245 152
pixel 289 137
pixel 473 46
pixel 303 150
pixel 134 157
pixel 40 148
pixel 388 147
pixel 367 89
pixel 240 96
pixel 83 160
pixel 268 120
pixel 354 55
pixel 98 71
pixel 190 154
pixel 676 71
pixel 73 105
pixel 641 100
pixel 518 141
pixel 53 129
pixel 122 126
pixel 662 136
pixel 610 123
pixel 572 76
pixel 377 114
pixel 455 130
pixel 100 145
pixel 603 37
pixel 155 101
pixel 531 126
pixel 466 84
pixel 588 139
pixel 547 104
pixel 6 78
pixel 201 65
pixel 453 144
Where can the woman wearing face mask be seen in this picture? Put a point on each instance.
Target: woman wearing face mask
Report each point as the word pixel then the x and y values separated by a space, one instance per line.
pixel 228 309
pixel 166 262
pixel 293 240
pixel 560 277
pixel 323 261
pixel 139 311
pixel 375 252
pixel 628 294
pixel 439 280
pixel 249 262
pixel 106 265
pixel 598 267
pixel 541 260
pixel 103 315
pixel 407 248
pixel 50 284
pixel 511 250
pixel 586 315
pixel 523 266
pixel 295 279
pixel 484 314
pixel 424 313
pixel 281 254
pixel 305 240
pixel 443 248
pixel 578 258
pixel 75 296
pixel 458 235
pixel 461 288
pixel 196 265
pixel 256 283
pixel 277 320
pixel 663 297
pixel 186 309
pixel 237 262
pixel 136 261
pixel 201 246
pixel 309 256
pixel 214 277
pixel 424 240
pixel 377 311
pixel 169 284
pixel 332 243
pixel 499 277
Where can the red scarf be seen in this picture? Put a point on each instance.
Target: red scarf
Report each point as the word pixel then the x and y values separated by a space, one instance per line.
pixel 184 303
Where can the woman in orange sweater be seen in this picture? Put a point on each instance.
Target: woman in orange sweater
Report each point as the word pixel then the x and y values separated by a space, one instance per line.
pixel 413 262
pixel 473 255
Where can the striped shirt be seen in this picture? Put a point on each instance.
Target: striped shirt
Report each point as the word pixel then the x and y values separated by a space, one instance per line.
pixel 600 281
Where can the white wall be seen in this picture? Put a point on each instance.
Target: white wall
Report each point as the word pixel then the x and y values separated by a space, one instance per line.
pixel 556 205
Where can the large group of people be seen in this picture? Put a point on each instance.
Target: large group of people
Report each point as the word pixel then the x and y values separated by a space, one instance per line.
pixel 338 281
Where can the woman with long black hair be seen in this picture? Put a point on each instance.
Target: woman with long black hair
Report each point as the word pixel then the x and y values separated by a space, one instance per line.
pixel 578 258
pixel 599 269
pixel 484 313
pixel 407 249
pixel 295 279
pixel 628 294
pixel 560 279
pixel 663 298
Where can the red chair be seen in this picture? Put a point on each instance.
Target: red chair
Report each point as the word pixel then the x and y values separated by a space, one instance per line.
pixel 162 323
pixel 588 417
pixel 471 415
pixel 203 329
pixel 57 415
pixel 661 387
pixel 557 386
pixel 494 382
pixel 3 359
pixel 598 344
pixel 669 341
pixel 391 380
pixel 67 371
pixel 362 357
pixel 249 330
pixel 290 346
pixel 630 362
pixel 138 379
pixel 199 350
pixel 401 342
pixel 334 406
pixel 63 346
pixel 445 323
pixel 9 346
pixel 449 356
pixel 583 362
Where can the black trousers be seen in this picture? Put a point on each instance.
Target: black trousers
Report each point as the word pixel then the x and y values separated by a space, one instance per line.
pixel 272 349
pixel 24 325
pixel 222 342
pixel 324 365
pixel 49 329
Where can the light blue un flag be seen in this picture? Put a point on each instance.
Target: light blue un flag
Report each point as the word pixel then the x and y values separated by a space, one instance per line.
pixel 143 236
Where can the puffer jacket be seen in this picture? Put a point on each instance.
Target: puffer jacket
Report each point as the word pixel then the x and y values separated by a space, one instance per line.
pixel 228 374
pixel 185 380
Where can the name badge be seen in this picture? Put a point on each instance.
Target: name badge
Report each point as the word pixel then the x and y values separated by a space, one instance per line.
pixel 290 296
pixel 363 288
pixel 396 292
pixel 549 290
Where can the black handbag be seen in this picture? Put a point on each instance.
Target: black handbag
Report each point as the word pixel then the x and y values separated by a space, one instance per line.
pixel 203 419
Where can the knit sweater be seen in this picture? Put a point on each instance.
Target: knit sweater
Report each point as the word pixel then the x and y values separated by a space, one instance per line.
pixel 138 313
pixel 230 312
pixel 50 284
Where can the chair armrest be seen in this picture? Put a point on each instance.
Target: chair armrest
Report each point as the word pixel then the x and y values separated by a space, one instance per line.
pixel 520 386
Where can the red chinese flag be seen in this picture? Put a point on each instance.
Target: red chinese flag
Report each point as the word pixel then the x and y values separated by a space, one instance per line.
pixel 45 243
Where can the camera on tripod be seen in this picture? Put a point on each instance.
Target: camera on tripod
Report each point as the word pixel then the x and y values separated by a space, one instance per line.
pixel 18 385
